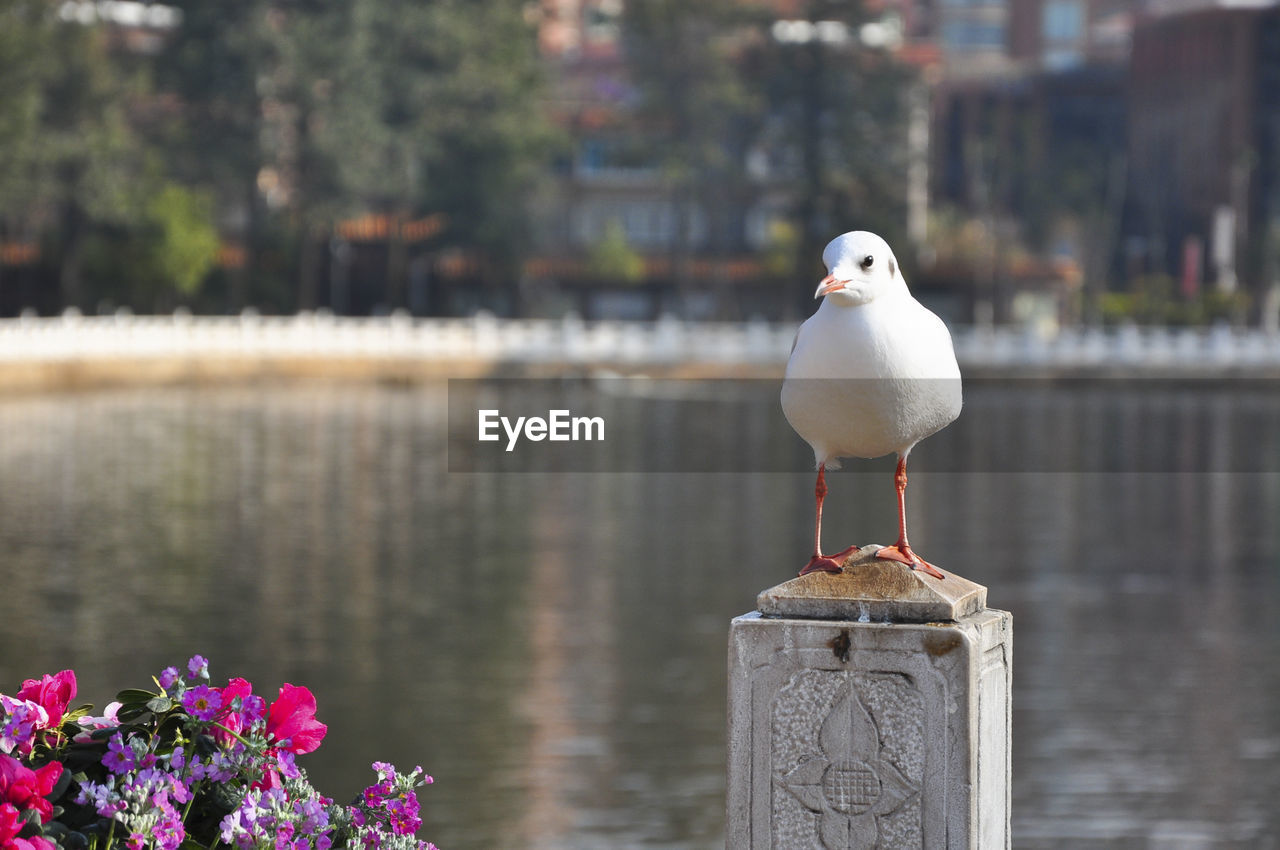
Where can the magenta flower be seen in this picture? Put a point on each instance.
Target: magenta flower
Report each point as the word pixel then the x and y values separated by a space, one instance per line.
pixel 153 775
pixel 202 702
pixel 53 693
pixel 242 709
pixel 231 696
pixel 291 720
pixel 26 788
pixel 11 823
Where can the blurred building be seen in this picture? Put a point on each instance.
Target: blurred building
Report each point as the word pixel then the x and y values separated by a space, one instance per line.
pixel 615 235
pixel 1204 147
pixel 1070 145
pixel 1164 110
pixel 607 179
pixel 1028 118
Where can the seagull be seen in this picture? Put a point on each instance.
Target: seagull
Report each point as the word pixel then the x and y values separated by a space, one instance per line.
pixel 871 373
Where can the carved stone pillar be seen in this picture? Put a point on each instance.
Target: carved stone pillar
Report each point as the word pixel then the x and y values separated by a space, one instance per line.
pixel 870 709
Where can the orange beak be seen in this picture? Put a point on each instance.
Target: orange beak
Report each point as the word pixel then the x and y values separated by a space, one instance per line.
pixel 828 285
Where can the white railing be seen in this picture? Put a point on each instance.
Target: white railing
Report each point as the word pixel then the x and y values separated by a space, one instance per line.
pixel 573 341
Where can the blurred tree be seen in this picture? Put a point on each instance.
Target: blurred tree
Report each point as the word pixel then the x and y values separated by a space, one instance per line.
pixel 160 260
pixel 328 108
pixel 613 259
pixel 213 70
pixel 72 159
pixel 25 30
pixel 289 115
pixel 838 111
pixel 780 251
pixel 696 113
pixel 822 115
pixel 313 47
pixel 459 128
pixel 184 242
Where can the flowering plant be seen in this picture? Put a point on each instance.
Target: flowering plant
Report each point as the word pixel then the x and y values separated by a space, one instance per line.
pixel 188 765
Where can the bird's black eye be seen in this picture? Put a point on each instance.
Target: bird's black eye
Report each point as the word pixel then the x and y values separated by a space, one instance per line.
pixel 867 261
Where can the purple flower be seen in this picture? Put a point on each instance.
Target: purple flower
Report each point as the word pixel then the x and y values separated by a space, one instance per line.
pixel 198 667
pixel 286 765
pixel 168 677
pixel 220 768
pixel 119 758
pixel 202 702
pixel 315 819
pixel 102 798
pixel 22 717
pixel 253 709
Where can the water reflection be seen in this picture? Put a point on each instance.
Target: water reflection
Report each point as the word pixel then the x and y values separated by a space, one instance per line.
pixel 552 646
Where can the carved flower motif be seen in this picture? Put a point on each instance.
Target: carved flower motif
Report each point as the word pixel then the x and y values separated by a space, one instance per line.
pixel 849 785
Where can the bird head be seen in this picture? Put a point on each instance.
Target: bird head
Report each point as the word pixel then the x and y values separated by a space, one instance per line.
pixel 861 268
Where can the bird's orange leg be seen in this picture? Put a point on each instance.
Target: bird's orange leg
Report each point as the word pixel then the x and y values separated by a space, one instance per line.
pixel 901 551
pixel 825 563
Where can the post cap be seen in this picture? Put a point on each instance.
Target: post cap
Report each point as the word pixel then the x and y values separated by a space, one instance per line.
pixel 871 589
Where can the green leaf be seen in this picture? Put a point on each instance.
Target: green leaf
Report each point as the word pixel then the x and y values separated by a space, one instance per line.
pixel 134 696
pixel 159 705
pixel 131 715
pixel 103 734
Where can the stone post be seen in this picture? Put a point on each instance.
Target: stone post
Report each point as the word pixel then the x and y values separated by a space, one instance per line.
pixel 870 709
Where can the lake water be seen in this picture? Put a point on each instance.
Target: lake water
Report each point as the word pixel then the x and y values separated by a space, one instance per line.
pixel 551 645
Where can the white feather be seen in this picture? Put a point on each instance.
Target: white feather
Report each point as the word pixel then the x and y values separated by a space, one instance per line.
pixel 873 371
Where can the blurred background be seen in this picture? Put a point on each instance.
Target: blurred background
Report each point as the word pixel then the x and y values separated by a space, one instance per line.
pixel 1045 162
pixel 248 247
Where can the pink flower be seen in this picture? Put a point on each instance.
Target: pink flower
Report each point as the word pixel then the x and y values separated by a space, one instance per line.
pixel 54 693
pixel 270 779
pixel 235 720
pixel 291 720
pixel 26 788
pixel 108 720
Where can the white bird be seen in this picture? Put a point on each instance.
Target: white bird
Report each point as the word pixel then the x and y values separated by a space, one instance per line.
pixel 871 373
